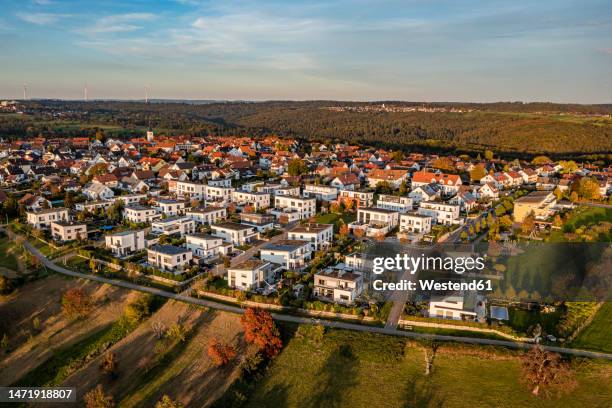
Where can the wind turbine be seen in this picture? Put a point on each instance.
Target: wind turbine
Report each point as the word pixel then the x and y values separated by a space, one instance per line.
pixel 25 90
pixel 85 91
pixel 147 89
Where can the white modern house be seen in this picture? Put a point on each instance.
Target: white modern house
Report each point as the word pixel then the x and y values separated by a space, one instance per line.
pixel 125 243
pixel 218 194
pixel 359 198
pixel 290 253
pixel 451 307
pixel 320 192
pixel 207 246
pixel 415 223
pixel 303 207
pixel 174 225
pixel 374 221
pixel 140 214
pixel 338 285
pixel 171 207
pixel 440 212
pixel 131 199
pixel 261 222
pixel 207 215
pixel 44 218
pixel 320 236
pixel 169 258
pixel 189 189
pixel 251 274
pixel 234 233
pixel 255 199
pixel 68 231
pixel 394 203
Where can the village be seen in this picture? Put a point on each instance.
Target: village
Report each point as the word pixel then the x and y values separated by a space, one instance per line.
pixel 279 221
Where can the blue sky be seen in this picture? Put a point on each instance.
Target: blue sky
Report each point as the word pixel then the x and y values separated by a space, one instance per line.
pixel 418 50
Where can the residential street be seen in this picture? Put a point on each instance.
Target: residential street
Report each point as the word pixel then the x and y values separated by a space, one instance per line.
pixel 305 320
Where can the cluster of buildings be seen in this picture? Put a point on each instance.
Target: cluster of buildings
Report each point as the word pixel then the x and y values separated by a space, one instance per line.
pixel 221 194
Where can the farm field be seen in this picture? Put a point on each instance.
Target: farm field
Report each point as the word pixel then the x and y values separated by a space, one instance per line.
pixel 32 319
pixel 150 367
pixel 363 370
pixel 596 336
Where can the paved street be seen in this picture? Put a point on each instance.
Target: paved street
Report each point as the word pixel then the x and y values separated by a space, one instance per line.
pixel 295 319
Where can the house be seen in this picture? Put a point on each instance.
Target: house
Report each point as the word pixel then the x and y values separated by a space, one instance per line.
pixel 375 221
pixel 320 192
pixel 320 236
pixel 251 274
pixel 449 182
pixel 256 200
pixel 97 191
pixel 393 177
pixel 234 233
pixel 108 179
pixel 428 192
pixel 43 218
pixel 338 285
pixel 356 261
pixel 140 214
pixel 440 212
pixel 304 208
pixel 290 253
pixel 169 258
pixel 189 189
pixel 465 200
pixel 540 203
pixel 261 222
pixel 415 223
pixel 170 208
pixel 359 199
pixel 207 246
pixel 456 307
pixel 93 206
pixel 207 215
pixel 125 243
pixel 173 225
pixel 348 181
pixel 34 202
pixel 131 199
pixel 394 203
pixel 68 231
pixel 218 194
pixel 488 191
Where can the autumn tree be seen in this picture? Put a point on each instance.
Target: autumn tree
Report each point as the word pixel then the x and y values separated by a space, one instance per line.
pixel 588 188
pixel 359 232
pixel 478 172
pixel 260 330
pixel 547 373
pixel 528 224
pixel 5 285
pixel 220 353
pixel 76 303
pixel 540 160
pixel 344 230
pixel 488 154
pixel 96 398
pixel 297 167
pixel 380 236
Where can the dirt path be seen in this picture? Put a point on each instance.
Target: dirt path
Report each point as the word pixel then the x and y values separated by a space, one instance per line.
pixel 38 304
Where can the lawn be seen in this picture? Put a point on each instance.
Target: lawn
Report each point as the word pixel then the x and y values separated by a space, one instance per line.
pixel 596 336
pixel 364 370
pixel 7 256
pixel 333 218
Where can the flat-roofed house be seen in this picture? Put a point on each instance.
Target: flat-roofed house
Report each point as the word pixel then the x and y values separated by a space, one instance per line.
pixel 258 200
pixel 415 222
pixel 290 253
pixel 338 285
pixel 125 243
pixel 261 222
pixel 207 215
pixel 234 233
pixel 251 274
pixel 320 236
pixel 540 203
pixel 375 221
pixel 440 212
pixel 140 214
pixel 68 231
pixel 394 203
pixel 44 218
pixel 171 207
pixel 207 246
pixel 320 192
pixel 174 225
pixel 304 208
pixel 358 199
pixel 169 258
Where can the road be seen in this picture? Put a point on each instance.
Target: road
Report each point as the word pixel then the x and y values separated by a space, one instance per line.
pixel 305 320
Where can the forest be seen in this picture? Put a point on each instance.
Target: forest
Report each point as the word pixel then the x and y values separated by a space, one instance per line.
pixel 507 128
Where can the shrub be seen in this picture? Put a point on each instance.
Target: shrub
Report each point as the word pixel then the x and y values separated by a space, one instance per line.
pixel 76 303
pixel 220 353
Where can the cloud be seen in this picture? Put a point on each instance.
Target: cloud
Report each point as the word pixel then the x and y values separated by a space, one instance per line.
pixel 40 18
pixel 118 23
pixel 43 2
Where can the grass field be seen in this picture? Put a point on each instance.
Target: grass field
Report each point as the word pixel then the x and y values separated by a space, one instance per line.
pixel 333 218
pixel 7 254
pixel 364 370
pixel 596 336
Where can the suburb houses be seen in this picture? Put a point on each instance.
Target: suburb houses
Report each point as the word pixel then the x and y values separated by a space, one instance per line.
pixel 140 214
pixel 290 253
pixel 393 177
pixel 338 285
pixel 441 213
pixel 256 200
pixel 43 219
pixel 251 275
pixel 206 246
pixel 125 243
pixel 415 223
pixel 449 182
pixel 173 226
pixel 68 231
pixel 207 215
pixel 295 208
pixel 319 236
pixel 540 203
pixel 234 233
pixel 394 203
pixel 375 221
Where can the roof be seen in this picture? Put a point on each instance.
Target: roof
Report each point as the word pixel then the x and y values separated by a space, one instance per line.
pixel 249 265
pixel 388 175
pixel 440 178
pixel 232 226
pixel 311 227
pixel 339 274
pixel 534 197
pixel 169 249
pixel 285 245
pixel 378 210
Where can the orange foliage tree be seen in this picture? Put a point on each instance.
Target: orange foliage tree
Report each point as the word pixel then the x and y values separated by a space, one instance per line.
pixel 260 330
pixel 76 303
pixel 220 353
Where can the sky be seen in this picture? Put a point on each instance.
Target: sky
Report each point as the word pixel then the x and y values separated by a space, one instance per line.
pixel 414 50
